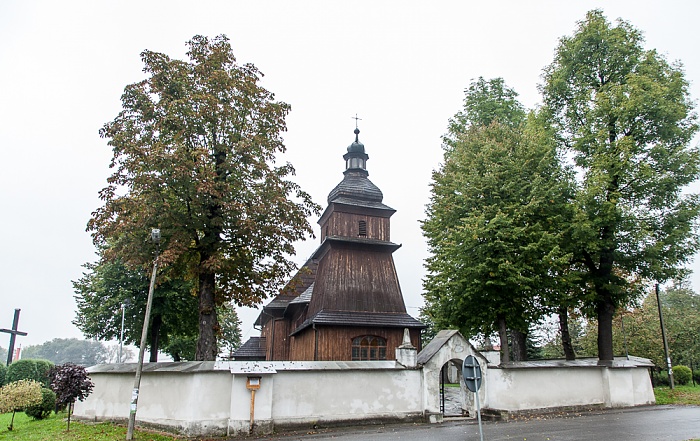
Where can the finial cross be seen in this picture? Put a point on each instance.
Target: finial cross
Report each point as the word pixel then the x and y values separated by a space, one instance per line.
pixel 356 119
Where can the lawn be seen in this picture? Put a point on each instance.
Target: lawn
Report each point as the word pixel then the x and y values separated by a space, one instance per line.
pixel 679 395
pixel 54 429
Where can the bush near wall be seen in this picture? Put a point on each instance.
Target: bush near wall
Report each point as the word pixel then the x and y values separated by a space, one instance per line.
pixel 3 372
pixel 43 368
pixel 682 375
pixel 22 370
pixel 28 369
pixel 42 410
pixel 659 377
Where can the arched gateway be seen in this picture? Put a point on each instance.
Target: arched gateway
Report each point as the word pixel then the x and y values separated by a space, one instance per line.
pixel 448 347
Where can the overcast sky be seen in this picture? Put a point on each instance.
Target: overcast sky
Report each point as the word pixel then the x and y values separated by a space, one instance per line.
pixel 402 66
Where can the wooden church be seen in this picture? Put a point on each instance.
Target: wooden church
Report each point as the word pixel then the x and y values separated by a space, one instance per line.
pixel 345 303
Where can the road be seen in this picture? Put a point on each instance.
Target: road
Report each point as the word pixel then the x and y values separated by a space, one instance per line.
pixel 673 423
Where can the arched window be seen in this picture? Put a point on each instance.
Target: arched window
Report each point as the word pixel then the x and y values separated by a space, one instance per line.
pixel 369 347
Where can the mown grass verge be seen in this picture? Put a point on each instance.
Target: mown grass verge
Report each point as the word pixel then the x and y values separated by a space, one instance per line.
pixel 54 429
pixel 679 395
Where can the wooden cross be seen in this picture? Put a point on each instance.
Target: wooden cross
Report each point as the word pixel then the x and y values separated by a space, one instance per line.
pixel 356 119
pixel 13 333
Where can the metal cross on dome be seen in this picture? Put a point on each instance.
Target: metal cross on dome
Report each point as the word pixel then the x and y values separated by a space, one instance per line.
pixel 356 119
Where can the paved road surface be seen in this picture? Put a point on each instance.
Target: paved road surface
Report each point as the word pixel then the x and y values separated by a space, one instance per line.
pixel 673 423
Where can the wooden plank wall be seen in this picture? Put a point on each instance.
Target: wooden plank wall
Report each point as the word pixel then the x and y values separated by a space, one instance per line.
pixel 357 281
pixel 347 225
pixel 302 346
pixel 335 343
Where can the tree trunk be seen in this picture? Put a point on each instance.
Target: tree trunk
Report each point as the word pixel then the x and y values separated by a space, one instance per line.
pixel 208 324
pixel 156 323
pixel 605 311
pixel 519 340
pixel 565 334
pixel 503 336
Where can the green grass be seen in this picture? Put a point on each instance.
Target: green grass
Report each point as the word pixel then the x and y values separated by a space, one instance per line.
pixel 54 429
pixel 679 395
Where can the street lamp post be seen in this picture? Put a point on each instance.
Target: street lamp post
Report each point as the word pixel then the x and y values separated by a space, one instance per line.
pixel 155 238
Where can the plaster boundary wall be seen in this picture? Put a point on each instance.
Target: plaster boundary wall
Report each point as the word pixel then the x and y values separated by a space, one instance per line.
pixel 213 398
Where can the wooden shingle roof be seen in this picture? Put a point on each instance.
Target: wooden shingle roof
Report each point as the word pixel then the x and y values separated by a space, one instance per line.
pixel 254 349
pixel 356 318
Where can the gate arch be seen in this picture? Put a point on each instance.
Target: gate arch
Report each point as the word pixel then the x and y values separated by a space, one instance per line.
pixel 449 347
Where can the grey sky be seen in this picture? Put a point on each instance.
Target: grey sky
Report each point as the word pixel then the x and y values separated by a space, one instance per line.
pixel 401 66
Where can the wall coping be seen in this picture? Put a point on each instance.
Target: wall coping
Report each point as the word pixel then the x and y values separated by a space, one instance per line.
pixel 617 363
pixel 244 367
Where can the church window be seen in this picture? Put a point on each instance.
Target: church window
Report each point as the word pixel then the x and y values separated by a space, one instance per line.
pixel 363 229
pixel 368 347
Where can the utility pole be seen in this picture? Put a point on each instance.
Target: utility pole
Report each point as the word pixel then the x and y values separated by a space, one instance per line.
pixel 121 337
pixel 155 237
pixel 663 336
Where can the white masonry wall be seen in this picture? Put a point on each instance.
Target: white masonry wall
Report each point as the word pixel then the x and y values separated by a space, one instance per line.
pixel 212 398
pixel 526 388
pixel 208 398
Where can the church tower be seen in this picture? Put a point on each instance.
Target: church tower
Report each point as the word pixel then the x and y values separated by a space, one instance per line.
pixel 345 303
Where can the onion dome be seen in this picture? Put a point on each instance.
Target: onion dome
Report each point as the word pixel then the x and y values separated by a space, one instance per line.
pixel 355 186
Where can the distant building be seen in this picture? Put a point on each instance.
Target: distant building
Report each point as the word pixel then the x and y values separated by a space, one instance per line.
pixel 345 303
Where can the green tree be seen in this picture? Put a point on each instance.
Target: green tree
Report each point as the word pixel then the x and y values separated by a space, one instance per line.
pixel 624 115
pixel 637 330
pixel 17 395
pixel 183 348
pixel 24 369
pixel 486 101
pixel 194 155
pixel 554 347
pixel 681 309
pixel 230 332
pixel 65 350
pixel 492 222
pixel 110 284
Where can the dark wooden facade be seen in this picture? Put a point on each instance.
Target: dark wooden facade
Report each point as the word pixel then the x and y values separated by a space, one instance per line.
pixel 345 303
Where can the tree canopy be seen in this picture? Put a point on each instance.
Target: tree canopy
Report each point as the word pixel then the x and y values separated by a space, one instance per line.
pixel 17 395
pixel 486 101
pixel 624 115
pixel 109 285
pixel 194 155
pixel 68 350
pixel 493 221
